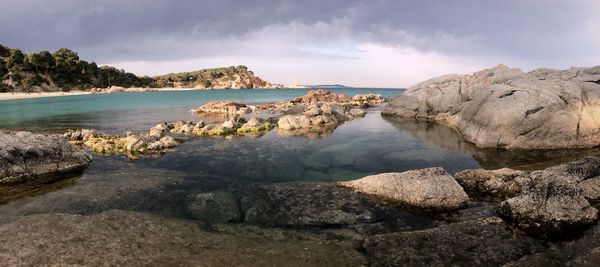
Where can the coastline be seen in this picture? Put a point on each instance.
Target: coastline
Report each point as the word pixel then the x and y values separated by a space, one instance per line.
pixel 20 95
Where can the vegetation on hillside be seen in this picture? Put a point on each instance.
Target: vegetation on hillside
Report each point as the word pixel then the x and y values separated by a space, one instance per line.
pixel 64 70
pixel 219 78
pixel 61 70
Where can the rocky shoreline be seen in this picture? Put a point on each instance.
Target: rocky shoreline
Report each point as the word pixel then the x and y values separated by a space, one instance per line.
pixel 419 217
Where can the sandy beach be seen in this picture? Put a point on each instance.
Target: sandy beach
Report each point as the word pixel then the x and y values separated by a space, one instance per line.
pixel 14 96
pixel 19 95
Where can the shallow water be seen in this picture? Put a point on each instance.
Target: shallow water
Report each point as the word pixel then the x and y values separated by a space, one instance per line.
pixel 357 148
pixel 164 184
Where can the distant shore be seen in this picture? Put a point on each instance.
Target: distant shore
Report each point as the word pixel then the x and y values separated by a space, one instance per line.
pixel 21 95
pixel 15 96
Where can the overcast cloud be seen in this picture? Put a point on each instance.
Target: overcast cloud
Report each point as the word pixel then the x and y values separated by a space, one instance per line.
pixel 391 43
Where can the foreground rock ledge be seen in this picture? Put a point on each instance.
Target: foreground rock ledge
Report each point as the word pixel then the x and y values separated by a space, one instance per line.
pixel 27 159
pixel 507 108
pixel 121 238
pixel 481 242
pixel 432 189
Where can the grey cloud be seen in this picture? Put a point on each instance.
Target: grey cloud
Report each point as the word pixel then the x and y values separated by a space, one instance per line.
pixel 108 30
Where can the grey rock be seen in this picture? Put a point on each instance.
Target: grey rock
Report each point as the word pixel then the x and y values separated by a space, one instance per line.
pixel 501 184
pixel 293 122
pixel 551 205
pixel 507 108
pixel 122 238
pixel 481 242
pixel 27 158
pixel 214 207
pixel 431 188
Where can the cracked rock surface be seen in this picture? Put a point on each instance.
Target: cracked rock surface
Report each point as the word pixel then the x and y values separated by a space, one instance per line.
pixel 27 159
pixel 507 108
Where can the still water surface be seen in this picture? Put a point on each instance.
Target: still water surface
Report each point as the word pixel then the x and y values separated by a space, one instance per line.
pixel 357 148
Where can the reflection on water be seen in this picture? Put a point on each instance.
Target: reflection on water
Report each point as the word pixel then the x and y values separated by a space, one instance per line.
pixel 448 138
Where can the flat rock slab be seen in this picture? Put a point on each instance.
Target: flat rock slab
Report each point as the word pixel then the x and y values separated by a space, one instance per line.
pixel 481 242
pixel 28 159
pixel 431 189
pixel 120 238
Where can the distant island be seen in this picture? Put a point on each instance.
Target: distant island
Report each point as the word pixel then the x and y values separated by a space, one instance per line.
pixel 63 70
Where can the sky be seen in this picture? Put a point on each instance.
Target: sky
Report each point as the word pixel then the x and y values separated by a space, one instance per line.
pixel 376 43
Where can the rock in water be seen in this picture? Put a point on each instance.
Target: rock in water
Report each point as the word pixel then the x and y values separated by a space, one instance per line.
pixel 306 204
pixel 27 158
pixel 431 188
pixel 224 107
pixel 552 205
pixel 507 108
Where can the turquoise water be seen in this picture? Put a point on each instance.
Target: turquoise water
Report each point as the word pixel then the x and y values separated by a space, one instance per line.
pixel 130 111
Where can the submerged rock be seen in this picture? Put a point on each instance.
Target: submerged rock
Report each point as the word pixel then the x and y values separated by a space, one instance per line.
pixel 311 204
pixel 214 207
pixel 481 242
pixel 28 160
pixel 507 108
pixel 551 205
pixel 121 187
pixel 432 189
pixel 501 184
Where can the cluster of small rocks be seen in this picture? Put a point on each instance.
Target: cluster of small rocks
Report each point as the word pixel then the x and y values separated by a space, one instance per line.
pixel 233 125
pixel 317 111
pixel 131 144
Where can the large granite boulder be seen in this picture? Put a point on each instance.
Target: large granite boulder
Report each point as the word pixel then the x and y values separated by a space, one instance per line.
pixel 481 242
pixel 552 204
pixel 432 189
pixel 507 108
pixel 27 158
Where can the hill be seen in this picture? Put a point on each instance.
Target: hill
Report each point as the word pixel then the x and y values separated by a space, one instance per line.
pixel 63 70
pixel 216 78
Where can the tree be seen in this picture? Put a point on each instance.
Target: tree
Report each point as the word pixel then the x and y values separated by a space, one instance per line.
pixel 46 61
pixel 15 60
pixel 66 67
pixel 3 70
pixel 4 51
